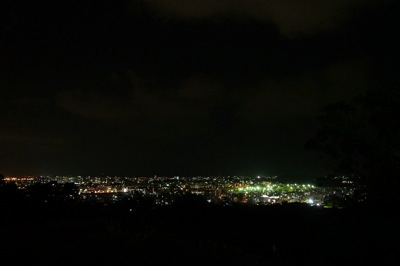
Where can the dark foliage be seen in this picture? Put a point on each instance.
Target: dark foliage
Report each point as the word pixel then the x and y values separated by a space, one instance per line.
pixel 290 234
pixel 363 138
pixel 44 227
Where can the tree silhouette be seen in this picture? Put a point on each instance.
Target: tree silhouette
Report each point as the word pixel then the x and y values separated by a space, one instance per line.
pixel 69 190
pixel 48 192
pixel 9 192
pixel 363 138
pixel 2 182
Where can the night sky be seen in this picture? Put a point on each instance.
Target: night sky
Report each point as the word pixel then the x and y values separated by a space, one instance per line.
pixel 175 87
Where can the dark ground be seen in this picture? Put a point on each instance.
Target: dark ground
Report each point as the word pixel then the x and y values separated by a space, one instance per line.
pixel 293 234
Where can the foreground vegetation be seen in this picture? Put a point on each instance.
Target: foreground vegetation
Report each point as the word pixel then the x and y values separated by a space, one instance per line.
pixel 192 232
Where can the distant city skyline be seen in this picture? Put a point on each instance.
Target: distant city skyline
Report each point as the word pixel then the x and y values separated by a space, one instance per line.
pixel 162 191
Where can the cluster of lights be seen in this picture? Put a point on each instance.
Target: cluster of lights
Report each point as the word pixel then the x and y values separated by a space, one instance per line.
pixel 274 191
pixel 273 188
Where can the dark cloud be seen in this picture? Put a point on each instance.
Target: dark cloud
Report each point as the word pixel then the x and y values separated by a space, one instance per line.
pixel 302 96
pixel 199 99
pixel 182 87
pixel 94 104
pixel 292 17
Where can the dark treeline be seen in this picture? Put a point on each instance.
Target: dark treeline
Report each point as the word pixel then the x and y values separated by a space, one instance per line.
pixel 362 136
pixel 49 226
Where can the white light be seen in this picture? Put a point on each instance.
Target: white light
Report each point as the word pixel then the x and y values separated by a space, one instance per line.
pixel 310 201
